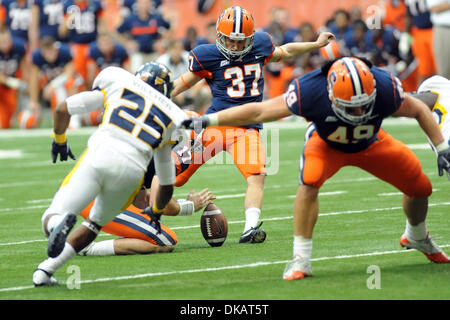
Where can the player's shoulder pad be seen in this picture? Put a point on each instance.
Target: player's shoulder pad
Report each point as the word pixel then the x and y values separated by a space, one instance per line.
pixel 433 83
pixel 205 54
pixel 390 93
pixel 384 79
pixel 327 64
pixel 93 49
pixel 263 44
pixel 19 44
pixel 306 92
pixel 36 56
pixel 65 53
pixel 120 49
pixel 110 75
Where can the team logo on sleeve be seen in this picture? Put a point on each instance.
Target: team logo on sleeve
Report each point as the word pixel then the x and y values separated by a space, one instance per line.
pixel 291 96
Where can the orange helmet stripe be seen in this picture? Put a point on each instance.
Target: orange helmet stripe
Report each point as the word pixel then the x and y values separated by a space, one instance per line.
pixel 235 20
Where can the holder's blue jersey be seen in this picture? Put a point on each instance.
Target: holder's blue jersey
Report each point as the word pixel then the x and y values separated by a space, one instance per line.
pixel 51 14
pixel 233 83
pixel 117 58
pixel 10 61
pixel 52 69
pixel 307 96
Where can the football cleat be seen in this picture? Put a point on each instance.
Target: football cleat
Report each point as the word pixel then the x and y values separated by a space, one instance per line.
pixel 297 269
pixel 427 247
pixel 253 235
pixel 57 238
pixel 43 278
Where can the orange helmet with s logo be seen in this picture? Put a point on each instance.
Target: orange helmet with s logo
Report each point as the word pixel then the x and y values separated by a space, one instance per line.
pixel 351 89
pixel 235 23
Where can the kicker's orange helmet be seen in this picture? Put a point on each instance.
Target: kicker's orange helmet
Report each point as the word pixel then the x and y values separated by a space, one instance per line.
pixel 351 89
pixel 235 23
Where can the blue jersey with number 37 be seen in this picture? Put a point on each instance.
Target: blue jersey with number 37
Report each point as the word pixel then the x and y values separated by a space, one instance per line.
pixel 307 96
pixel 233 83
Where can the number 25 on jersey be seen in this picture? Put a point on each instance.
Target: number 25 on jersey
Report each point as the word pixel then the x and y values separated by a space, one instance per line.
pixel 136 109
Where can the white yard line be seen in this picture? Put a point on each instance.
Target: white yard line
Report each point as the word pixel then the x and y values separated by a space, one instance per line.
pixel 266 219
pixel 232 267
pixel 299 123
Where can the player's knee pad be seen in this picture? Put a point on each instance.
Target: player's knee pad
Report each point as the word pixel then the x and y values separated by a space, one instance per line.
pixel 91 226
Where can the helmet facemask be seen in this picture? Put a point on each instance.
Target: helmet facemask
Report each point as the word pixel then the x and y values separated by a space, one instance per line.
pixel 349 111
pixel 234 54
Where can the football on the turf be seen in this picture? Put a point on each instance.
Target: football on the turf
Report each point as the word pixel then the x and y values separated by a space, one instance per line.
pixel 214 225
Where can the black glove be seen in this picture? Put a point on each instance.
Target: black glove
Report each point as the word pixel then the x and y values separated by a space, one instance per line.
pixel 443 161
pixel 195 123
pixel 63 150
pixel 155 218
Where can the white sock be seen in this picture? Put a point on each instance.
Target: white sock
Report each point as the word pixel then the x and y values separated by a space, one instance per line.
pixel 101 248
pixel 53 221
pixel 302 247
pixel 418 232
pixel 52 264
pixel 251 218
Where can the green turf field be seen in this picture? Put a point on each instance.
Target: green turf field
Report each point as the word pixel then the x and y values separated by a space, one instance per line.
pixel 358 229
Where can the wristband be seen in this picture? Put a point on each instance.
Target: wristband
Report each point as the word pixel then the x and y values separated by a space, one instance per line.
pixel 186 207
pixel 59 138
pixel 156 210
pixel 442 146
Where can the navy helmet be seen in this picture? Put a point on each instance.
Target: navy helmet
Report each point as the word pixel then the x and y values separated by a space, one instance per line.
pixel 156 75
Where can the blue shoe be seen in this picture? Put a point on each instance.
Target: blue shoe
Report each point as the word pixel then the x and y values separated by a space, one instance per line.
pixel 58 236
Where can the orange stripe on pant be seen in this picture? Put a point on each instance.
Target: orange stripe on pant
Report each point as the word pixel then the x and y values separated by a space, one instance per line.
pixel 387 159
pixel 122 230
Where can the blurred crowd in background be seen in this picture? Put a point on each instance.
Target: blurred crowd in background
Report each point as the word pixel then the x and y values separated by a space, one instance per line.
pixel 52 49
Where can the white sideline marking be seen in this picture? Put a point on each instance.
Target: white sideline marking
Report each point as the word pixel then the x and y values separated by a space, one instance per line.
pixel 330 193
pixel 11 154
pixel 299 123
pixel 40 200
pixel 268 219
pixel 388 194
pixel 27 183
pixel 241 266
pixel 227 196
pixel 23 208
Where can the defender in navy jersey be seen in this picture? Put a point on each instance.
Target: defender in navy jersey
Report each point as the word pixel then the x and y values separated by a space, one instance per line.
pixel 346 102
pixel 13 73
pixel 422 33
pixel 233 68
pixel 82 21
pixel 15 15
pixel 46 15
pixel 105 52
pixel 52 74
